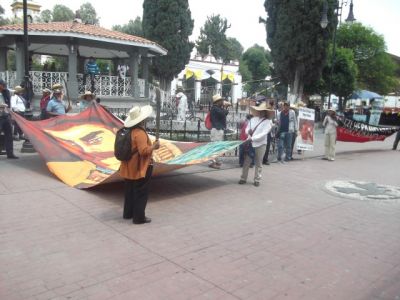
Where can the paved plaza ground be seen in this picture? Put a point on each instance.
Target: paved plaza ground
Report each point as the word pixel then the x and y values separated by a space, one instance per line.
pixel 210 237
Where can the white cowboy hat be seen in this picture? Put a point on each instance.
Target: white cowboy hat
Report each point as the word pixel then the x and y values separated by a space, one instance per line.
pixel 2 104
pixel 331 109
pixel 18 89
pixel 47 91
pixel 262 106
pixel 137 114
pixel 88 93
pixel 217 98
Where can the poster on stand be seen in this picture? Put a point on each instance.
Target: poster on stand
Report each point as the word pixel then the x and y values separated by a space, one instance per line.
pixel 305 139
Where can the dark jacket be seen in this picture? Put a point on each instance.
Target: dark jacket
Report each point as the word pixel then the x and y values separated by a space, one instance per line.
pixel 218 117
pixel 7 96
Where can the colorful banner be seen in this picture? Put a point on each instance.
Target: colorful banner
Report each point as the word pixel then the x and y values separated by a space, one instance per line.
pixel 305 140
pixel 79 149
pixel 353 131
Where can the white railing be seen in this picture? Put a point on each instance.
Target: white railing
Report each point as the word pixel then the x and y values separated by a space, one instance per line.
pixel 104 85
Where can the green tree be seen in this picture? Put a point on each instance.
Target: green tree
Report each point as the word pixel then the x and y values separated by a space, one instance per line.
pixel 88 14
pixel 376 68
pixel 169 23
pixel 256 59
pixel 234 49
pixel 134 27
pixel 61 13
pixel 46 16
pixel 213 34
pixel 298 43
pixel 3 20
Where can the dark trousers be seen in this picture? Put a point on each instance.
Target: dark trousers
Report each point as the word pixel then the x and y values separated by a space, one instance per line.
pixel 5 126
pixel 396 140
pixel 92 75
pixel 269 138
pixel 17 130
pixel 136 195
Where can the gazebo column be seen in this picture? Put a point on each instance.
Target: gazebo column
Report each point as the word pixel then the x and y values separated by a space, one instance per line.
pixel 19 62
pixel 197 91
pixel 218 88
pixel 3 59
pixel 73 91
pixel 146 63
pixel 134 69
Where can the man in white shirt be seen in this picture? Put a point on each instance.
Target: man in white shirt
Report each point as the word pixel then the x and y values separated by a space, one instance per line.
pixel 182 106
pixel 18 105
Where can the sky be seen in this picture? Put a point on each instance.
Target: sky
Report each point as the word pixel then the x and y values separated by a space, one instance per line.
pixel 382 16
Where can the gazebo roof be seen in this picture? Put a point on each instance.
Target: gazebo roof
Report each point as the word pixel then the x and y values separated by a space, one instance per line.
pixel 92 40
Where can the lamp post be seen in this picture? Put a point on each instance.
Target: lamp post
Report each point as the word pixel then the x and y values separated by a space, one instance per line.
pixel 324 23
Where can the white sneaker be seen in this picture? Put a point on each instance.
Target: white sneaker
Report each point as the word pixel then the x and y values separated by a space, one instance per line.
pixel 331 159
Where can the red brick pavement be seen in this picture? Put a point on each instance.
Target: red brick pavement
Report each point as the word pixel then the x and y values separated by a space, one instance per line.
pixel 210 237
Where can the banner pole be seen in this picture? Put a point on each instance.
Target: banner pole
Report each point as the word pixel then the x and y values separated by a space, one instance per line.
pixel 158 105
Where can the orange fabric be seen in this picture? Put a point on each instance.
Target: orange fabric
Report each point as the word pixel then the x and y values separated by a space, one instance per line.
pixel 136 167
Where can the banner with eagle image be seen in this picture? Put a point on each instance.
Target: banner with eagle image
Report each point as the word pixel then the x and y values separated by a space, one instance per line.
pixel 79 149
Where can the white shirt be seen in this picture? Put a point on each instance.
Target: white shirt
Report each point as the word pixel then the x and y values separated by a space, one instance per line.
pixel 17 104
pixel 330 125
pixel 259 137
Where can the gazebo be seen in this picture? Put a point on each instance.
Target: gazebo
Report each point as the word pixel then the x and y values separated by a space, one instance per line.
pixel 77 42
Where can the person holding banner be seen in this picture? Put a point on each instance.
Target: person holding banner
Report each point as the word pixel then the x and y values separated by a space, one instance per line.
pixel 396 140
pixel 330 123
pixel 137 171
pixel 257 130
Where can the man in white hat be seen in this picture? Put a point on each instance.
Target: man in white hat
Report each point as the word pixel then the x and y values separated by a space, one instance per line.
pixel 86 100
pixel 56 106
pixel 137 171
pixel 182 105
pixel 218 120
pixel 18 105
pixel 5 126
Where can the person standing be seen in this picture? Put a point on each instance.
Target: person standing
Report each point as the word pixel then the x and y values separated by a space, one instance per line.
pixel 396 140
pixel 5 126
pixel 270 136
pixel 56 106
pixel 137 171
pixel 86 100
pixel 43 103
pixel 92 70
pixel 18 105
pixel 257 129
pixel 330 124
pixel 5 93
pixel 218 115
pixel 182 105
pixel 287 125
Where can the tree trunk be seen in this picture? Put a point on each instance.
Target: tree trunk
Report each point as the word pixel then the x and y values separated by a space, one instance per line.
pixel 297 85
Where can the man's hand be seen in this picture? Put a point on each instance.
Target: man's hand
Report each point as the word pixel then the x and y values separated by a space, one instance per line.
pixel 156 145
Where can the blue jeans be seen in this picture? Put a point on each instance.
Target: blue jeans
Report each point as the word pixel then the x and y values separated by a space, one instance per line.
pixel 285 141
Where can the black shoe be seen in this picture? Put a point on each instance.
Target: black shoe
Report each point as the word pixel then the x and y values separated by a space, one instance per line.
pixel 12 156
pixel 146 220
pixel 256 183
pixel 127 217
pixel 241 181
pixel 266 163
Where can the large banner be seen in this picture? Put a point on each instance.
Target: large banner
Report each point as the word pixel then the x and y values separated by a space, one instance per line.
pixel 79 149
pixel 305 140
pixel 353 131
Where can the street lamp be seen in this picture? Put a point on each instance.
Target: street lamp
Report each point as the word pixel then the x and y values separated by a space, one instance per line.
pixel 324 23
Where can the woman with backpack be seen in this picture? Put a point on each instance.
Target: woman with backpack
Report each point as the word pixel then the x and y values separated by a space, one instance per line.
pixel 257 130
pixel 138 169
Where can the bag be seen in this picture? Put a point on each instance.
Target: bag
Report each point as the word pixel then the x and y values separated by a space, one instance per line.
pixel 122 144
pixel 207 121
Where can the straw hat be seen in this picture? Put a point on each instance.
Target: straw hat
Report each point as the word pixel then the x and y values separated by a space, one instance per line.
pixel 2 104
pixel 57 88
pixel 18 89
pixel 217 98
pixel 137 114
pixel 331 109
pixel 88 93
pixel 263 106
pixel 47 91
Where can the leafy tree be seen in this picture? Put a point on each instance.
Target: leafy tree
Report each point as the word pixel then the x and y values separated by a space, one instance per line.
pixel 134 27
pixel 61 13
pixel 213 34
pixel 46 16
pixel 3 21
pixel 376 68
pixel 234 49
pixel 169 23
pixel 88 14
pixel 256 60
pixel 298 43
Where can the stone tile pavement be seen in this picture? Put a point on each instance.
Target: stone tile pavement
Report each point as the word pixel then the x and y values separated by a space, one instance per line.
pixel 210 237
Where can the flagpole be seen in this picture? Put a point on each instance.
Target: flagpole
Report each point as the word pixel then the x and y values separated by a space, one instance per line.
pixel 158 105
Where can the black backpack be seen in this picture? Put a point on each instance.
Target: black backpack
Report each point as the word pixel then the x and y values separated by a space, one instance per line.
pixel 122 145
